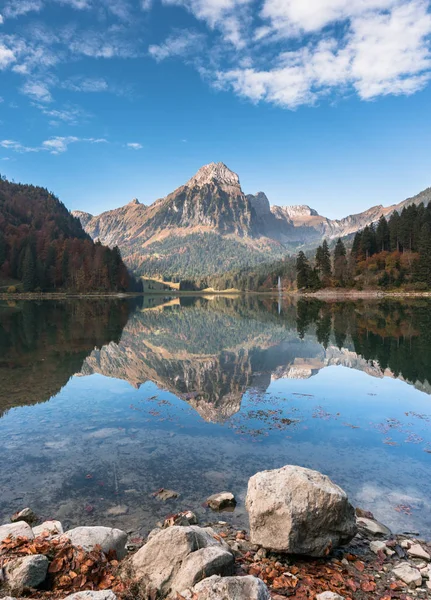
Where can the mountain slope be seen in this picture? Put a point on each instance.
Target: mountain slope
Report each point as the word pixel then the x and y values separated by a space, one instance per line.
pixel 45 248
pixel 209 226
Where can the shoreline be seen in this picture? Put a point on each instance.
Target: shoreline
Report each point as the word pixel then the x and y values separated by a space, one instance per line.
pixel 370 566
pixel 319 295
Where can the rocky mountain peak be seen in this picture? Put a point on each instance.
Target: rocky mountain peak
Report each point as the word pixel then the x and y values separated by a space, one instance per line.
pixel 214 173
pixel 134 202
pixel 300 210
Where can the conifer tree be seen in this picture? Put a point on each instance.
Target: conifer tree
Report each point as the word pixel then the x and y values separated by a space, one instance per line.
pixel 340 263
pixel 29 271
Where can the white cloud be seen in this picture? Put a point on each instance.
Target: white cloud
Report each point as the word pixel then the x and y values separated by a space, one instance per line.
pixel 146 4
pixel 37 90
pixel 7 57
pixel 134 145
pixel 54 145
pixel 86 84
pixel 380 53
pixel 17 8
pixel 295 16
pixel 178 44
pixel 1 19
pixel 227 15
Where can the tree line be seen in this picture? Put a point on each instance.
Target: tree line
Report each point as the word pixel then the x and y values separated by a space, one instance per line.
pixel 44 248
pixel 394 252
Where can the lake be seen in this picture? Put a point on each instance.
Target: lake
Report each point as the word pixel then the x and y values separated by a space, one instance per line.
pixel 102 403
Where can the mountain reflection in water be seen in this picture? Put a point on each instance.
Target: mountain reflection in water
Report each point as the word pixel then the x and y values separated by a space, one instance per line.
pixel 219 373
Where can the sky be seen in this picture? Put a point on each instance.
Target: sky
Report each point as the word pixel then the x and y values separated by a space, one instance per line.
pixel 318 102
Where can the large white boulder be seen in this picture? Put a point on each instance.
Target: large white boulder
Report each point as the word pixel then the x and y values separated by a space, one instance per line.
pixel 231 588
pixel 298 511
pixel 26 572
pixel 106 537
pixel 177 558
pixel 18 529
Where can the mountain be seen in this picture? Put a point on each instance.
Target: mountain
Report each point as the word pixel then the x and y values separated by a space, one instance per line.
pixel 209 226
pixel 43 247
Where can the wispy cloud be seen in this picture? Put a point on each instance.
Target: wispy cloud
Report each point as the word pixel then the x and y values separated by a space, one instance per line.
pixel 37 90
pixel 54 145
pixel 86 84
pixel 178 44
pixel 134 146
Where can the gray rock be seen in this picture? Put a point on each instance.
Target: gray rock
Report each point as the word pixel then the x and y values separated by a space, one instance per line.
pixel 377 546
pixel 372 527
pixel 26 515
pixel 52 527
pixel 416 551
pixel 408 574
pixel 221 501
pixel 232 588
pixel 19 529
pixel 329 596
pixel 299 511
pixel 177 558
pixel 184 519
pixel 107 537
pixel 26 572
pixel 90 595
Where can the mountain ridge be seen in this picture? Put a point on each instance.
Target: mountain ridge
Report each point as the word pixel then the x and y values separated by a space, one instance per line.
pixel 212 203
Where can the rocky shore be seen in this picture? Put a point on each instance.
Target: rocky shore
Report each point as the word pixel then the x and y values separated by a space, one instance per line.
pixel 306 541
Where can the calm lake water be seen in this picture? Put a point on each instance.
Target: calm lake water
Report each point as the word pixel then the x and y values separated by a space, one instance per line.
pixel 104 403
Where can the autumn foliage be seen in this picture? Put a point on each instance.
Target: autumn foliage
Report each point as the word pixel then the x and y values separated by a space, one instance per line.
pixel 44 246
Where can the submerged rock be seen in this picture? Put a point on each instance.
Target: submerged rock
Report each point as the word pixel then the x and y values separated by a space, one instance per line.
pixel 164 494
pixel 177 558
pixel 221 501
pixel 26 572
pixel 231 588
pixel 26 515
pixel 19 529
pixel 107 537
pixel 299 511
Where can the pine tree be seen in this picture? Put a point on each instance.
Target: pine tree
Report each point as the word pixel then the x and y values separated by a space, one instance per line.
pixel 382 235
pixel 340 263
pixel 323 263
pixel 394 234
pixel 423 271
pixel 29 277
pixel 303 271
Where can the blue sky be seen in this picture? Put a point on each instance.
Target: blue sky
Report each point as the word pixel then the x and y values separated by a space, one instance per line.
pixel 319 102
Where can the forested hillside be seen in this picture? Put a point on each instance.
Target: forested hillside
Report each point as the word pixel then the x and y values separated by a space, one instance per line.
pixel 44 247
pixel 392 254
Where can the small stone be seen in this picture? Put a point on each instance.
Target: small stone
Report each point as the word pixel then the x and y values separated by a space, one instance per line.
pixel 90 595
pixel 372 527
pixel 360 512
pixel 117 511
pixel 428 584
pixel 376 546
pixel 416 551
pixel 389 552
pixel 231 588
pixel 52 527
pixel 18 529
pixel 183 519
pixel 329 596
pixel 221 501
pixel 164 494
pixel 26 515
pixel 408 574
pixel 26 572
pixel 406 544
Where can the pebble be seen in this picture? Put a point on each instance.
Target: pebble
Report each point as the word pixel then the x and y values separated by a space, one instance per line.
pixel 416 551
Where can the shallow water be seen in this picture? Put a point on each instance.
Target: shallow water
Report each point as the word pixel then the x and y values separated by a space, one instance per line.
pixel 104 403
